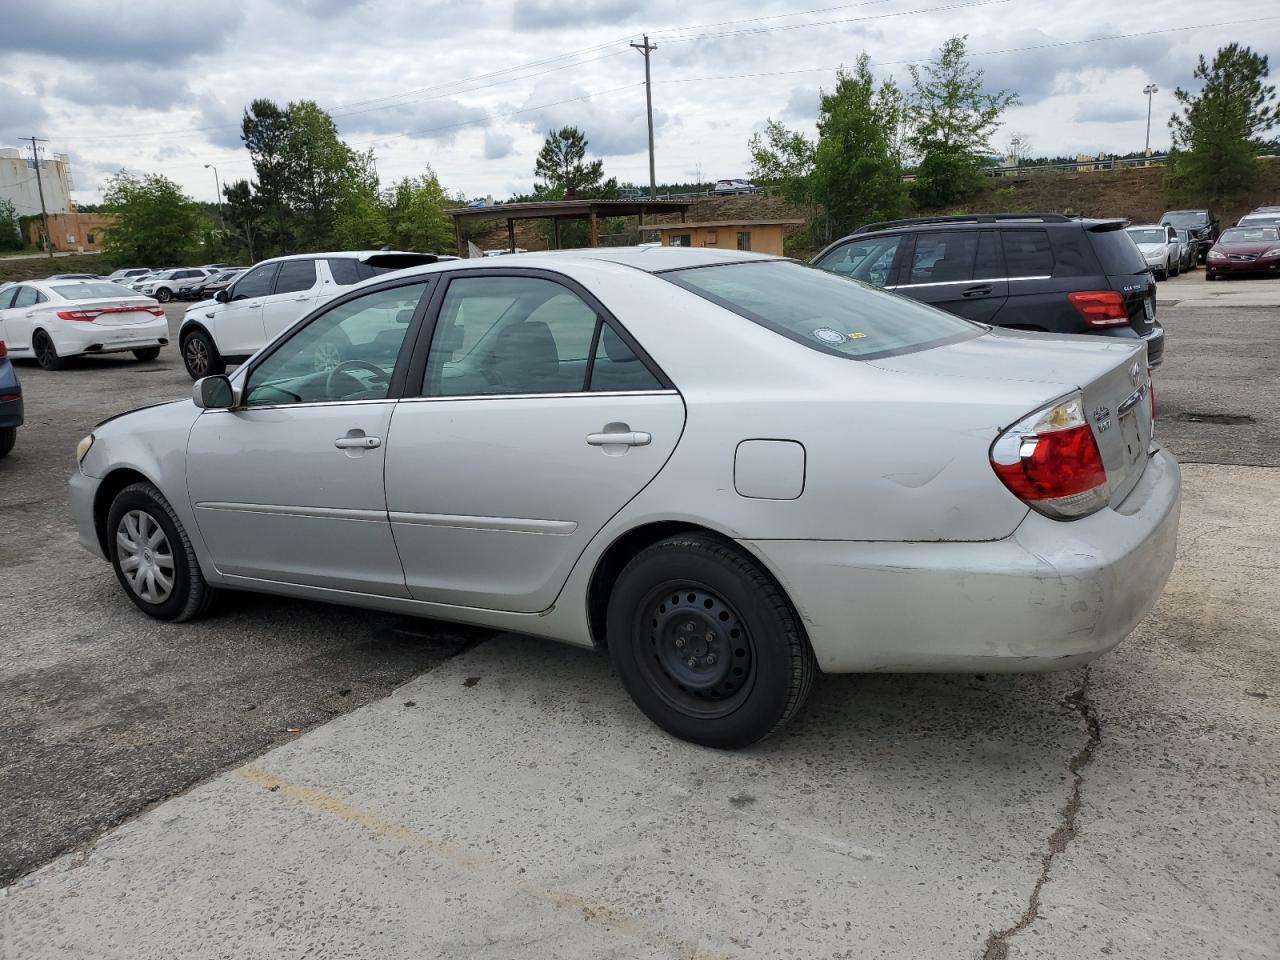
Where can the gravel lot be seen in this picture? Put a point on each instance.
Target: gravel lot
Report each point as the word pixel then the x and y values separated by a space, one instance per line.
pixel 512 796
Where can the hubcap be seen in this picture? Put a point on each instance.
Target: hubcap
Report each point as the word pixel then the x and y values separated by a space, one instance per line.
pixel 145 556
pixel 197 355
pixel 701 655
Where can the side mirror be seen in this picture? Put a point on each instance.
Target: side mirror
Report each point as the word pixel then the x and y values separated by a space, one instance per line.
pixel 223 295
pixel 213 393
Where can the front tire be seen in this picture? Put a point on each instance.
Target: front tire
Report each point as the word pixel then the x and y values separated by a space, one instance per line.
pixel 706 644
pixel 200 356
pixel 147 354
pixel 8 437
pixel 164 295
pixel 46 352
pixel 152 556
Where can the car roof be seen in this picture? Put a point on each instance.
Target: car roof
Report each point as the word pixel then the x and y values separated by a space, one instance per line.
pixel 346 255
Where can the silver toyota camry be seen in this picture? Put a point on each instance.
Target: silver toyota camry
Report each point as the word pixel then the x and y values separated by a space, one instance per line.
pixel 732 471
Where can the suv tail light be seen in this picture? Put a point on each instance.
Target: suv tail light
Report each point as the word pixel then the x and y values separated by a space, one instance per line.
pixel 1051 462
pixel 1100 308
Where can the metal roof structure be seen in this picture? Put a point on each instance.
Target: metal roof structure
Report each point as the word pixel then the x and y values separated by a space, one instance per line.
pixel 557 210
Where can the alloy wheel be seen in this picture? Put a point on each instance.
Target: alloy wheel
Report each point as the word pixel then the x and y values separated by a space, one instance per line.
pixel 145 556
pixel 196 354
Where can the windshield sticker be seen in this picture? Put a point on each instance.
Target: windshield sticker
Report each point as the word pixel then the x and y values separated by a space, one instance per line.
pixel 857 335
pixel 827 335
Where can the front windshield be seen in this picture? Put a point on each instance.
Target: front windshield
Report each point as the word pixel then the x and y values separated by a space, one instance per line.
pixel 90 291
pixel 1249 235
pixel 1185 218
pixel 823 310
pixel 1148 236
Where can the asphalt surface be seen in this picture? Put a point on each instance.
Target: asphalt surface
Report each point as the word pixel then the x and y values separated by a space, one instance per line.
pixel 511 802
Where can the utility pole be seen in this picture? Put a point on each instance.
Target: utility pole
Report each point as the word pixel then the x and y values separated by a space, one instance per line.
pixel 647 48
pixel 44 214
pixel 217 181
pixel 1150 89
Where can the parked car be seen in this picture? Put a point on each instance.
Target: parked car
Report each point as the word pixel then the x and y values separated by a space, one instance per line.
pixel 206 287
pixel 1042 272
pixel 10 400
pixel 1160 248
pixel 74 276
pixel 541 446
pixel 164 286
pixel 633 193
pixel 1202 224
pixel 1186 250
pixel 734 186
pixel 270 297
pixel 51 320
pixel 1263 218
pixel 129 274
pixel 1244 250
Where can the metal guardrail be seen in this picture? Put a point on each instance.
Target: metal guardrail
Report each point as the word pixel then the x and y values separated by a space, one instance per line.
pixel 1085 165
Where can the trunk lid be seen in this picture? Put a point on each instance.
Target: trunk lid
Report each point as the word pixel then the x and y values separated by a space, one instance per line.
pixel 118 312
pixel 1111 375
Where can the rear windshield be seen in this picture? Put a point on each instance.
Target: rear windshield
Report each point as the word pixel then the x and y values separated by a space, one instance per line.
pixel 1249 235
pixel 1260 219
pixel 1117 252
pixel 823 310
pixel 1148 236
pixel 1185 218
pixel 90 291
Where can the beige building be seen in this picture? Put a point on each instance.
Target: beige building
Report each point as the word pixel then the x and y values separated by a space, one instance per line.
pixel 759 236
pixel 18 182
pixel 72 232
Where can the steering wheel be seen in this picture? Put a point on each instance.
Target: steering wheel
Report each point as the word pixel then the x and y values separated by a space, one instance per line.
pixel 345 365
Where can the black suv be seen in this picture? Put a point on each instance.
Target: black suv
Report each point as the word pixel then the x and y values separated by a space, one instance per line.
pixel 1201 224
pixel 1027 271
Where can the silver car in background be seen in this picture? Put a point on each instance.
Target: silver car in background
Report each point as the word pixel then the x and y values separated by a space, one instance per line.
pixel 730 470
pixel 1160 247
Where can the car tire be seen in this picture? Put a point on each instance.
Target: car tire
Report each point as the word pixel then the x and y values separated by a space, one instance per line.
pixel 1210 276
pixel 706 643
pixel 200 356
pixel 147 354
pixel 164 295
pixel 135 516
pixel 8 437
pixel 46 353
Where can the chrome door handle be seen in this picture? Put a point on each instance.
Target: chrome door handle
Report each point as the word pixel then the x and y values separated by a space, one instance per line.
pixel 358 443
pixel 633 438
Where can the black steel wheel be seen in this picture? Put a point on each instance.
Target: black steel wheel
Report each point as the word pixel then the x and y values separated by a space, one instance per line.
pixel 706 644
pixel 46 352
pixel 200 356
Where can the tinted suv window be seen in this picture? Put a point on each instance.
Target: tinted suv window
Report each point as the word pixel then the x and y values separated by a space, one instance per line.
pixel 946 257
pixel 1071 255
pixel 345 271
pixel 255 283
pixel 868 260
pixel 296 275
pixel 822 310
pixel 1116 252
pixel 1027 253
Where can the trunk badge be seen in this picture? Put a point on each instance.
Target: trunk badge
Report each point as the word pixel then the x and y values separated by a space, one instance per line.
pixel 1102 417
pixel 1135 373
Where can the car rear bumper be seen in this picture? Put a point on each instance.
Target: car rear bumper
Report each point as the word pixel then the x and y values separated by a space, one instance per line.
pixel 83 490
pixel 10 411
pixel 71 337
pixel 1051 596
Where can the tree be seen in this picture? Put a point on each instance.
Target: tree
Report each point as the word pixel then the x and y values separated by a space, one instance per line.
pixel 415 213
pixel 155 222
pixel 320 170
pixel 264 130
pixel 953 118
pixel 244 214
pixel 782 160
pixel 566 173
pixel 10 231
pixel 1220 132
pixel 857 172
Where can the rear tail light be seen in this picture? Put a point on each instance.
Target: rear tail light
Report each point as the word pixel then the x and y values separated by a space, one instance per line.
pixel 1100 308
pixel 89 315
pixel 1051 462
pixel 4 351
pixel 155 311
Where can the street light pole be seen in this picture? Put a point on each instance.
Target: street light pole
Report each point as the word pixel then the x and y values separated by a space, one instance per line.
pixel 217 182
pixel 1150 90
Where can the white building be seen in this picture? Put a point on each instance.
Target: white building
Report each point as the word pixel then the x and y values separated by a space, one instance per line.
pixel 18 182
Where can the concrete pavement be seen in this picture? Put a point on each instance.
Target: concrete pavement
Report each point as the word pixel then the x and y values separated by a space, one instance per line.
pixel 1193 290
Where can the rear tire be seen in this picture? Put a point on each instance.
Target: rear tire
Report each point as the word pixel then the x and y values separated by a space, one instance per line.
pixel 147 354
pixel 8 437
pixel 46 352
pixel 164 295
pixel 200 356
pixel 706 644
pixel 152 556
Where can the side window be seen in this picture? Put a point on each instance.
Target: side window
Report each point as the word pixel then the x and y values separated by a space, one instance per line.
pixel 1072 256
pixel 680 240
pixel 988 266
pixel 1027 253
pixel 6 297
pixel 255 283
pixel 505 335
pixel 346 353
pixel 867 260
pixel 744 240
pixel 943 257
pixel 616 366
pixel 25 297
pixel 345 271
pixel 296 275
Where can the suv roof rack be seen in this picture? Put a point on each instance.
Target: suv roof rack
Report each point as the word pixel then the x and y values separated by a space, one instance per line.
pixel 966 218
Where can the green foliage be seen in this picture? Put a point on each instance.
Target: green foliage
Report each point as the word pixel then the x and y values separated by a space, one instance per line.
pixel 245 216
pixel 782 160
pixel 563 169
pixel 952 119
pixel 264 130
pixel 156 222
pixel 10 232
pixel 416 214
pixel 1220 132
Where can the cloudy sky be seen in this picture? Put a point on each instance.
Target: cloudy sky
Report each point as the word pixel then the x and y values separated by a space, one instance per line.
pixel 471 88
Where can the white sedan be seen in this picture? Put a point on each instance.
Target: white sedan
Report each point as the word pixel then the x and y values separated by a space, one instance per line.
pixel 51 320
pixel 732 471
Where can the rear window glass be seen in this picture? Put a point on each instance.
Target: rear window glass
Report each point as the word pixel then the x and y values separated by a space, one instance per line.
pixel 822 310
pixel 1148 236
pixel 1185 218
pixel 1117 252
pixel 90 291
pixel 1248 235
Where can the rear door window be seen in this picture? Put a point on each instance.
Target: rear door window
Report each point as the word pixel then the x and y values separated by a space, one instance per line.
pixel 296 275
pixel 25 297
pixel 945 257
pixel 1027 253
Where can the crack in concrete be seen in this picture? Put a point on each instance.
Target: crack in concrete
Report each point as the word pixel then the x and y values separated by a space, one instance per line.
pixel 997 947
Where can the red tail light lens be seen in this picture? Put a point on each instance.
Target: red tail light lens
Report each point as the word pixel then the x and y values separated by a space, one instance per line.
pixel 4 351
pixel 88 315
pixel 1100 308
pixel 1051 461
pixel 156 311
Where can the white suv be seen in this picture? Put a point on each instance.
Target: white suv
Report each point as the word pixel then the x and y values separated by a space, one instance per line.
pixel 270 296
pixel 164 285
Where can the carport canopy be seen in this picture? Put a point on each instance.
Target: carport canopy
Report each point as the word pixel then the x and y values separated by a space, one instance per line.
pixel 557 210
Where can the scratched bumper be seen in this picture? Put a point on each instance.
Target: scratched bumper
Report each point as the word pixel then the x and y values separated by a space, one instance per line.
pixel 1052 595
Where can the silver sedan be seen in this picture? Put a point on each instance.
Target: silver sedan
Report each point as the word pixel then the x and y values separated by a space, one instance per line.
pixel 732 471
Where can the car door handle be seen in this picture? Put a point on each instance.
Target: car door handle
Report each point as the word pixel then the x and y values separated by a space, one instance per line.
pixel 358 443
pixel 254 306
pixel 301 299
pixel 630 438
pixel 981 291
